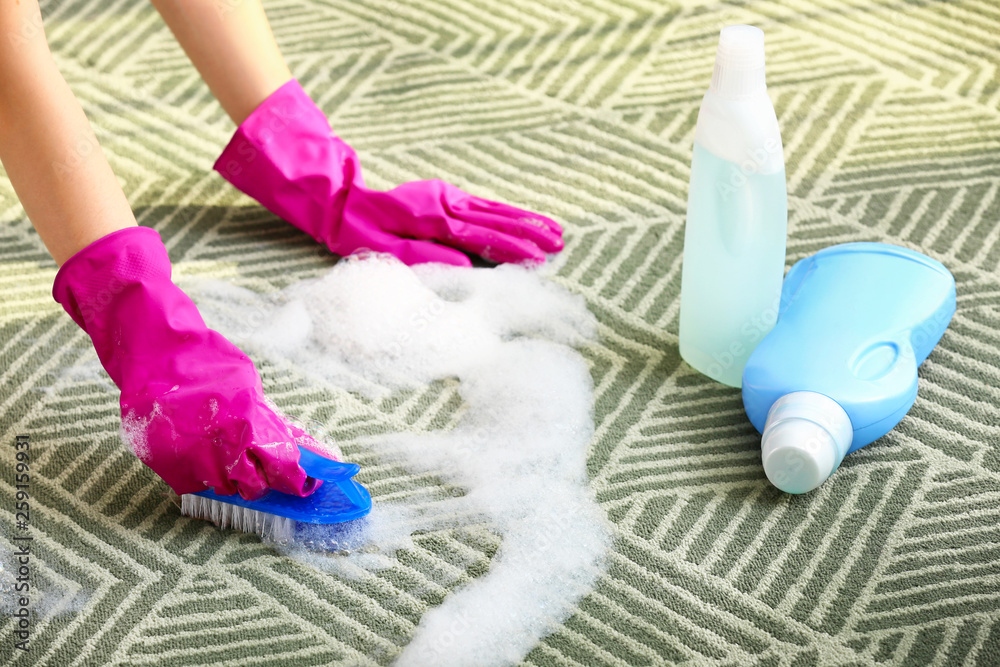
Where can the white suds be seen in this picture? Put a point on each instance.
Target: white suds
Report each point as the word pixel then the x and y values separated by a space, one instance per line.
pixel 48 594
pixel 133 434
pixel 517 448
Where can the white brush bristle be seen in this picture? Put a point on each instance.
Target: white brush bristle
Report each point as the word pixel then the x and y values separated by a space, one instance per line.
pixel 224 515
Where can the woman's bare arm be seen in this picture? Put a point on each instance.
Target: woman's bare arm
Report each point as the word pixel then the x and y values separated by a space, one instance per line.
pixel 231 45
pixel 47 146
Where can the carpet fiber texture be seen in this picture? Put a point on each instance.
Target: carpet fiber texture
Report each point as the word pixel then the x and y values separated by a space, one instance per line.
pixel 890 114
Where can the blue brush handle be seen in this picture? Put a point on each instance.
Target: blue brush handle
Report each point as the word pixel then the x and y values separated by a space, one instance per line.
pixel 320 467
pixel 338 499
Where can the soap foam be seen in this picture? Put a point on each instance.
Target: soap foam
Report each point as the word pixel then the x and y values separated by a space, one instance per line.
pixel 46 598
pixel 517 448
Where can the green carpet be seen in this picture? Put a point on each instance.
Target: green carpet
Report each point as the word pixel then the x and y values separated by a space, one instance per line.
pixel 890 115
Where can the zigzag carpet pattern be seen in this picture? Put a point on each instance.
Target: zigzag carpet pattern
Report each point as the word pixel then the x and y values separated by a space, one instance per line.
pixel 584 110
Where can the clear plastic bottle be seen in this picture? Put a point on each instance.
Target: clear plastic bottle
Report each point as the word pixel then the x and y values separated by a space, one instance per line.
pixel 737 215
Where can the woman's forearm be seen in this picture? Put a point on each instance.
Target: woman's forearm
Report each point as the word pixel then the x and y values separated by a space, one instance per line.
pixel 47 146
pixel 232 47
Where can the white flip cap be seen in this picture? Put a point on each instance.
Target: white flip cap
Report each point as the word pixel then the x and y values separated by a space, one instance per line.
pixel 739 62
pixel 805 438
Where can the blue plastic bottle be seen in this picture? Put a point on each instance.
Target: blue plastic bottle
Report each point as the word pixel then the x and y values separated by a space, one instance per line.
pixel 839 370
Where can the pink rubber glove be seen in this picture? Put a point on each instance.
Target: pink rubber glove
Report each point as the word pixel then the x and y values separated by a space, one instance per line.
pixel 285 156
pixel 191 402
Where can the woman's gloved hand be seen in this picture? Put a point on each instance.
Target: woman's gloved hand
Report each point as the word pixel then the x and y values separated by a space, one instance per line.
pixel 192 405
pixel 285 156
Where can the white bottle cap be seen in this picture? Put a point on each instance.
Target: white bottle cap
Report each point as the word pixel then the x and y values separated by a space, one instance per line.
pixel 739 62
pixel 805 438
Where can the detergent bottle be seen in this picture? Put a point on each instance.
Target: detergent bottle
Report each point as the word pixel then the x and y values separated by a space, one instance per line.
pixel 839 370
pixel 737 214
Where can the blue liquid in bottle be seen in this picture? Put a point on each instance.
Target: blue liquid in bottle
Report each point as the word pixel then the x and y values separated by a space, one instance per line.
pixel 737 215
pixel 734 258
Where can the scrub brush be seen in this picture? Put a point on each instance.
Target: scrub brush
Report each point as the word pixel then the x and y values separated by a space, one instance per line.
pixel 276 515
